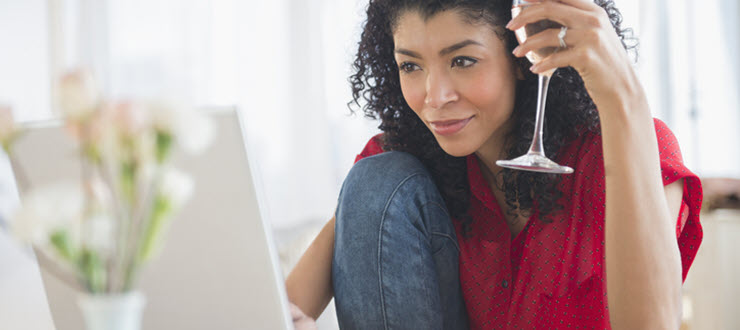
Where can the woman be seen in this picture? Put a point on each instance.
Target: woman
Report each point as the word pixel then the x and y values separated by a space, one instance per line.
pixel 430 233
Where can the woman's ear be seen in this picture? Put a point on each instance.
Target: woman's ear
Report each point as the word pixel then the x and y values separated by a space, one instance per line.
pixel 518 72
pixel 517 67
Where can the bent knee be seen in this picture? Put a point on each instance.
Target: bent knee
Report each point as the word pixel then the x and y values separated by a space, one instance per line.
pixel 385 170
pixel 374 181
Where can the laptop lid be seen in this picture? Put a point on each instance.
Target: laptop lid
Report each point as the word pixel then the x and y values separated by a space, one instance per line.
pixel 218 268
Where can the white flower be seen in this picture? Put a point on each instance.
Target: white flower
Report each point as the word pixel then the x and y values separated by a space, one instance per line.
pixel 129 118
pixel 101 127
pixel 164 115
pixel 176 187
pixel 121 132
pixel 78 95
pixel 191 129
pixel 60 207
pixel 46 210
pixel 7 124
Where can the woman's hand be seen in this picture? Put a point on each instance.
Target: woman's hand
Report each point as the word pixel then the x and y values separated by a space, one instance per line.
pixel 300 320
pixel 593 49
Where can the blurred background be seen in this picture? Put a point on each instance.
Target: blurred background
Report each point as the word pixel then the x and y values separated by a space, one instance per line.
pixel 285 64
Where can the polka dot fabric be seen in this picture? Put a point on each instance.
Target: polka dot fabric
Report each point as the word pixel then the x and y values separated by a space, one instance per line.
pixel 552 274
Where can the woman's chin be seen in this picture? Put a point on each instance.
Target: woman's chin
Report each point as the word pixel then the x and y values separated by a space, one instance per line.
pixel 456 149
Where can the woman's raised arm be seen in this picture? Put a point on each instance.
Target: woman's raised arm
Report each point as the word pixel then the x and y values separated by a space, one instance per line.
pixel 643 264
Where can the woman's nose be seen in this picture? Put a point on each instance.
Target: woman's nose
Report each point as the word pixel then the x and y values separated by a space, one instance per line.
pixel 440 90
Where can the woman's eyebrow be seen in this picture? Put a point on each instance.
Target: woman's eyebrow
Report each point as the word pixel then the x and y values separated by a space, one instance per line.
pixel 458 45
pixel 442 52
pixel 407 52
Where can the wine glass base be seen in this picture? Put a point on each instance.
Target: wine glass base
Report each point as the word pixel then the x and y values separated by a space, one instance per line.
pixel 534 163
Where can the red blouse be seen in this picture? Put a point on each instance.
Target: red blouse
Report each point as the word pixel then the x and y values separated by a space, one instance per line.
pixel 552 274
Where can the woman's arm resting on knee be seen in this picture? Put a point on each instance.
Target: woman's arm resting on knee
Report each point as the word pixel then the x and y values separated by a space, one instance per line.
pixel 309 283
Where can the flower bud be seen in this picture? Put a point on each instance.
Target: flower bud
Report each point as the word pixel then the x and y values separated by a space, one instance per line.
pixel 191 129
pixel 177 187
pixel 7 126
pixel 130 118
pixel 78 95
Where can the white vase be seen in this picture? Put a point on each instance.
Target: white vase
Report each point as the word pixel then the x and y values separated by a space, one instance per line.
pixel 112 311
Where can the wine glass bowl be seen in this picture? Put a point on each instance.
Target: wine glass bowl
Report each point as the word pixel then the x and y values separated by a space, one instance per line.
pixel 535 160
pixel 531 29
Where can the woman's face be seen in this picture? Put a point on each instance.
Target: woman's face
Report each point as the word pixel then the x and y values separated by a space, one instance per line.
pixel 458 78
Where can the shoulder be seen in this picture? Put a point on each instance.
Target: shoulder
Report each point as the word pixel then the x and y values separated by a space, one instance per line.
pixel 590 143
pixel 373 147
pixel 586 154
pixel 667 143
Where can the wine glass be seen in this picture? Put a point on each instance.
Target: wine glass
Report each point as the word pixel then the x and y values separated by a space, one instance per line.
pixel 535 160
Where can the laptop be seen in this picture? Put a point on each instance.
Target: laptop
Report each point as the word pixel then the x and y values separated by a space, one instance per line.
pixel 218 268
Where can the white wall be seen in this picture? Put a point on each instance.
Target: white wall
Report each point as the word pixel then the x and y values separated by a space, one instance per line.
pixel 689 67
pixel 24 61
pixel 25 85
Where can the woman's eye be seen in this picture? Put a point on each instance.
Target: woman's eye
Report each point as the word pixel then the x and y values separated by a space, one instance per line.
pixel 408 67
pixel 463 61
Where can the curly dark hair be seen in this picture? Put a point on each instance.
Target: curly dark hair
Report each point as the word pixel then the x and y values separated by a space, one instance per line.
pixel 570 110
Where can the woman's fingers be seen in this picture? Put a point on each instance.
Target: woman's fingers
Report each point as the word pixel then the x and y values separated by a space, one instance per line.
pixel 547 38
pixel 295 312
pixel 576 58
pixel 588 5
pixel 586 23
pixel 300 320
pixel 593 47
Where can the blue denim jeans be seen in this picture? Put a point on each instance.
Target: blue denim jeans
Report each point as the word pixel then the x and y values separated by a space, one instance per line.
pixel 395 263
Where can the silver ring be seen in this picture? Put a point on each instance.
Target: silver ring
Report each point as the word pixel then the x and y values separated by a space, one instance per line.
pixel 561 36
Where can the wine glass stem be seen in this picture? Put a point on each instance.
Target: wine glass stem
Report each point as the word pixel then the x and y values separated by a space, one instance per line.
pixel 537 147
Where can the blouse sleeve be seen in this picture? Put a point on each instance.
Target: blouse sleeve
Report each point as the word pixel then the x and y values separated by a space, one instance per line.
pixel 688 226
pixel 373 147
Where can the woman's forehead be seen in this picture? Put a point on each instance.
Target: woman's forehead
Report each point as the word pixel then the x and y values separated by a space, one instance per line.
pixel 413 30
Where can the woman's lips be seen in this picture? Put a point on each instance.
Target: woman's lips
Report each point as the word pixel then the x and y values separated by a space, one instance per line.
pixel 449 127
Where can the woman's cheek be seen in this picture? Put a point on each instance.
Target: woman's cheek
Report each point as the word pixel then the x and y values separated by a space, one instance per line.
pixel 490 91
pixel 413 94
pixel 482 87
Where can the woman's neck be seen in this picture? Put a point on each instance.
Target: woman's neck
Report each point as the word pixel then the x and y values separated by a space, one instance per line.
pixel 488 159
pixel 493 150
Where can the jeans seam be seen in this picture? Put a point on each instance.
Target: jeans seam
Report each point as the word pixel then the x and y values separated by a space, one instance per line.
pixel 380 246
pixel 454 240
pixel 448 237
